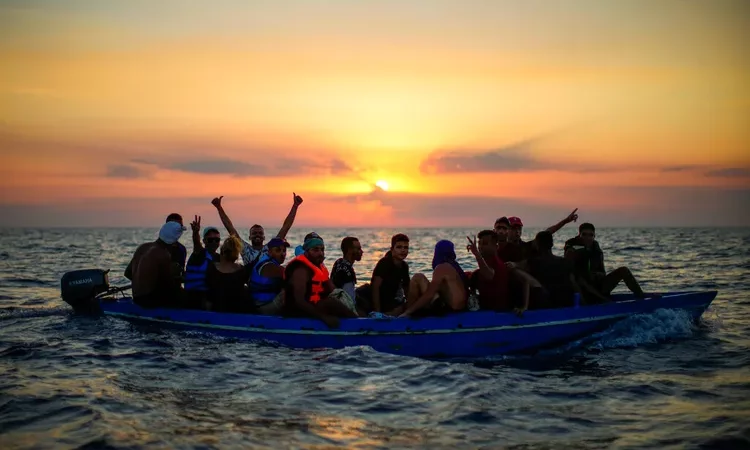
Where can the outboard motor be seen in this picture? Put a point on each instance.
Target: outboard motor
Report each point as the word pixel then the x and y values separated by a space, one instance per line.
pixel 80 288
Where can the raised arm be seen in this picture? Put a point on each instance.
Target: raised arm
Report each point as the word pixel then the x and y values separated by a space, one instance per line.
pixel 572 217
pixel 289 221
pixel 485 271
pixel 196 226
pixel 224 217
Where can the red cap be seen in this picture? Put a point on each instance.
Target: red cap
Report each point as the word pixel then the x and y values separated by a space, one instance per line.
pixel 515 222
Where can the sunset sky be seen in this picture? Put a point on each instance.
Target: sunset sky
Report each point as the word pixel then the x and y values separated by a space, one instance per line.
pixel 120 112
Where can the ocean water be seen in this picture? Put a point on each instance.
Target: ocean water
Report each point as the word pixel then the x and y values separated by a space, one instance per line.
pixel 655 381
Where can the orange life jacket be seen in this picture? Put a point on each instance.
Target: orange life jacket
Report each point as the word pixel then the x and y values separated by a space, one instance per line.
pixel 320 276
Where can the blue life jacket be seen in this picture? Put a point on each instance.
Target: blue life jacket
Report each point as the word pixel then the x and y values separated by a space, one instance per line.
pixel 195 276
pixel 264 289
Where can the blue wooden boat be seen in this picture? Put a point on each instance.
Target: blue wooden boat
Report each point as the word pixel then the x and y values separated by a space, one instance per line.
pixel 466 334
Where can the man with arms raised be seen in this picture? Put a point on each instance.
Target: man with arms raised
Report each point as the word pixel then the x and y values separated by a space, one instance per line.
pixel 492 277
pixel 252 251
pixel 154 284
pixel 309 289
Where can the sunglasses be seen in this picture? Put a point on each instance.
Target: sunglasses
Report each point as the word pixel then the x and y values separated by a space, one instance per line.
pixel 213 240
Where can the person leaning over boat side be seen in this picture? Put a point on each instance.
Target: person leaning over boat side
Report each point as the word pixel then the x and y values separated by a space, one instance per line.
pixel 252 251
pixel 447 292
pixel 196 290
pixel 555 273
pixel 153 282
pixel 267 279
pixel 309 290
pixel 588 258
pixel 492 278
pixel 226 280
pixel 343 274
pixel 390 282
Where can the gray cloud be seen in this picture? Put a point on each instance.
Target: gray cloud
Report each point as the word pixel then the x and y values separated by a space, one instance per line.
pixel 730 172
pixel 218 166
pixel 125 171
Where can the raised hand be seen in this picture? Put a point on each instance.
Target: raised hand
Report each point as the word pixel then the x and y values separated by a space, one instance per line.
pixel 572 217
pixel 297 199
pixel 217 201
pixel 472 247
pixel 196 224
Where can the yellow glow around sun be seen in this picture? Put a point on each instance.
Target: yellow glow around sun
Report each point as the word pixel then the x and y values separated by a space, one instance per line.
pixel 382 184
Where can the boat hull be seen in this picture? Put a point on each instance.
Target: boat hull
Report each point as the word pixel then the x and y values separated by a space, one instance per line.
pixel 468 334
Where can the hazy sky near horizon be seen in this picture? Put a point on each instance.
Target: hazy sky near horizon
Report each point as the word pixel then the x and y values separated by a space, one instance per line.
pixel 117 113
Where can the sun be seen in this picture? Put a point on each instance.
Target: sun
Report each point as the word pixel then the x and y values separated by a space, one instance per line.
pixel 382 184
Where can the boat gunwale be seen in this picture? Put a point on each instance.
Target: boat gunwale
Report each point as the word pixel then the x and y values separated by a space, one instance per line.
pixel 460 329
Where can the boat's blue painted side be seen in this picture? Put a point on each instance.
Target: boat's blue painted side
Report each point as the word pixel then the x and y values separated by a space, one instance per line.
pixel 479 333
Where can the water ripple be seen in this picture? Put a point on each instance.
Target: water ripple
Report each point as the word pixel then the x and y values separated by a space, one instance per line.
pixel 651 381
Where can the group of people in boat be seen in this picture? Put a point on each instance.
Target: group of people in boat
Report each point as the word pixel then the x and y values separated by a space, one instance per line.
pixel 512 275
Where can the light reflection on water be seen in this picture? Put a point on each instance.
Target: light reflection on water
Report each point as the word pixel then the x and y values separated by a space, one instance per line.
pixel 654 381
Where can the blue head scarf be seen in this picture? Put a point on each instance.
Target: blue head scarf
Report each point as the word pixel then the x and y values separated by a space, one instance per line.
pixel 446 253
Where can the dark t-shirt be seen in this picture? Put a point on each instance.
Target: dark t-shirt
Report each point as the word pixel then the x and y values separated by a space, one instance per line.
pixel 553 272
pixel 586 260
pixel 493 294
pixel 511 252
pixel 226 291
pixel 178 253
pixel 197 258
pixel 393 277
pixel 343 273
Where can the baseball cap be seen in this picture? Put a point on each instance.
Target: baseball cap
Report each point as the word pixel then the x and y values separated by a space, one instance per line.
pixel 170 232
pixel 515 222
pixel 503 220
pixel 210 229
pixel 277 242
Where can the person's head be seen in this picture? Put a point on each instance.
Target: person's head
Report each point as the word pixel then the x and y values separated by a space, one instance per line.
pixel 170 233
pixel 445 251
pixel 315 250
pixel 277 249
pixel 543 241
pixel 487 243
pixel 257 235
pixel 174 217
pixel 211 239
pixel 230 249
pixel 400 246
pixel 516 229
pixel 351 248
pixel 587 233
pixel 502 226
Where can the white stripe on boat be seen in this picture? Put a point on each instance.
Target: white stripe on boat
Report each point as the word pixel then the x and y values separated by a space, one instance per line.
pixel 387 333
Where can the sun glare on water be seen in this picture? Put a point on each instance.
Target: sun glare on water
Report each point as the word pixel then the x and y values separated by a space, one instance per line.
pixel 382 184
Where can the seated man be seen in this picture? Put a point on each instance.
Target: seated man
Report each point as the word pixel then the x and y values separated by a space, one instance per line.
pixel 448 291
pixel 588 259
pixel 555 273
pixel 196 290
pixel 267 279
pixel 491 279
pixel 154 283
pixel 309 290
pixel 177 252
pixel 343 274
pixel 389 285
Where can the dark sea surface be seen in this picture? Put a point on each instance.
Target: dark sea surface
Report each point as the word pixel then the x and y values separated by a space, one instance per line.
pixel 655 381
